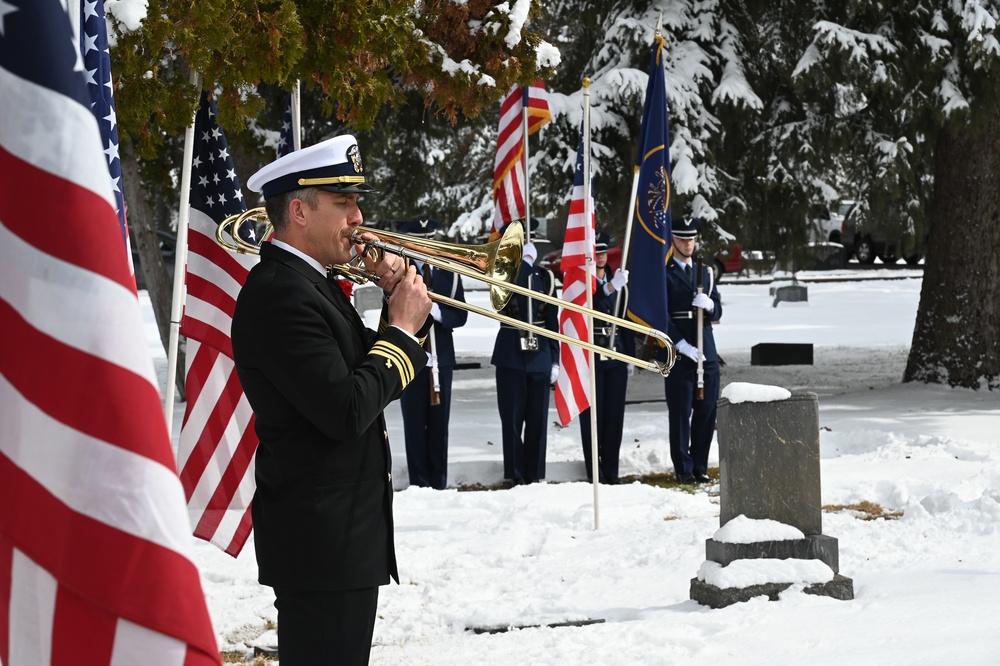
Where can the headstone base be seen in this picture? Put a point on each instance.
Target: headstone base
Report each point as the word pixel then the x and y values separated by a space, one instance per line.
pixel 706 594
pixel 813 547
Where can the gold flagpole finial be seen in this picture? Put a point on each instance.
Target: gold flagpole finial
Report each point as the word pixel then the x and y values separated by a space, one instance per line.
pixel 659 24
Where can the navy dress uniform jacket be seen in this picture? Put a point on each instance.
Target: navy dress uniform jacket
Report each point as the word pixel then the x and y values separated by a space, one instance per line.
pixel 317 381
pixel 681 290
pixel 425 426
pixel 507 352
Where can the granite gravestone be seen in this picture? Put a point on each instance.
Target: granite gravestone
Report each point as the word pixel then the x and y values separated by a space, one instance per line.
pixel 770 469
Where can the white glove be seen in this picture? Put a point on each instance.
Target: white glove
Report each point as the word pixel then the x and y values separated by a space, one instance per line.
pixel 620 279
pixel 436 312
pixel 631 369
pixel 704 302
pixel 529 253
pixel 554 375
pixel 689 350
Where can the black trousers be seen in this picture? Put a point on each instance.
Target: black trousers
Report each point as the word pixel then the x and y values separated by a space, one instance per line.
pixel 523 402
pixel 692 422
pixel 611 380
pixel 425 428
pixel 323 627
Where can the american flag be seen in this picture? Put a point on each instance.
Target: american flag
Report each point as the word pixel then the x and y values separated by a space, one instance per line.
pixel 508 167
pixel 95 547
pixel 648 305
pixel 217 440
pixel 97 66
pixel 573 384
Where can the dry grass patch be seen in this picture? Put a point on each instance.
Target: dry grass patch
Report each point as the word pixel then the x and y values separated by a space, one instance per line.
pixel 239 658
pixel 864 510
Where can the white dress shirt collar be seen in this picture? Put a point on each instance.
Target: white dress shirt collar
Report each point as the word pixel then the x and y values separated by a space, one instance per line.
pixel 302 255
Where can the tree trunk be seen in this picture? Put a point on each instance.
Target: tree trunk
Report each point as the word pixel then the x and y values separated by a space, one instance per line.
pixel 142 223
pixel 956 340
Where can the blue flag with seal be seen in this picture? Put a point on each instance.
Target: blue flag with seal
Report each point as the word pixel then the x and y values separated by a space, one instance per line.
pixel 648 302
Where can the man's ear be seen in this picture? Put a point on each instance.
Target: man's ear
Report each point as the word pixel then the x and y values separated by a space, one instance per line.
pixel 297 212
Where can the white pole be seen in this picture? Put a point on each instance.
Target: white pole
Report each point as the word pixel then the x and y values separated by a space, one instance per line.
pixel 180 264
pixel 527 199
pixel 588 213
pixel 297 115
pixel 527 179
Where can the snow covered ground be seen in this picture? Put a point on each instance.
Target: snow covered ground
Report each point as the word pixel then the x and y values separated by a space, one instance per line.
pixel 530 561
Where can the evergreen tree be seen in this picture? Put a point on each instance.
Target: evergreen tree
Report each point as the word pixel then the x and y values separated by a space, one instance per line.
pixel 919 97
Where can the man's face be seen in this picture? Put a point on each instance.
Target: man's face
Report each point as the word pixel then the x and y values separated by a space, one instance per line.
pixel 684 246
pixel 601 259
pixel 329 227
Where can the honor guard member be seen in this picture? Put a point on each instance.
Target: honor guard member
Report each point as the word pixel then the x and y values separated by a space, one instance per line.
pixel 426 402
pixel 692 420
pixel 526 367
pixel 611 376
pixel 318 382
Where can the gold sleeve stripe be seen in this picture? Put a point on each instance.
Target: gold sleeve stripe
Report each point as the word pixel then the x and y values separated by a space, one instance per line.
pixel 395 356
pixel 382 325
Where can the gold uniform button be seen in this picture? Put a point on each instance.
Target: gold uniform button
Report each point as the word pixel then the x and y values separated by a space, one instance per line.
pixel 390 477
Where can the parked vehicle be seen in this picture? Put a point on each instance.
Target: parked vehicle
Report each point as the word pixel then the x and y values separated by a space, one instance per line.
pixel 887 239
pixel 828 228
pixel 729 260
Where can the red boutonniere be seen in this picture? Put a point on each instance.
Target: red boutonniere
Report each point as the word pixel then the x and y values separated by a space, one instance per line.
pixel 346 286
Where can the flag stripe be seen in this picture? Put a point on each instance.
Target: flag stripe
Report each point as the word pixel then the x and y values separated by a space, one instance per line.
pixel 81 629
pixel 50 136
pixel 66 401
pixel 22 214
pixel 98 560
pixel 32 604
pixel 64 301
pixel 6 575
pixel 52 455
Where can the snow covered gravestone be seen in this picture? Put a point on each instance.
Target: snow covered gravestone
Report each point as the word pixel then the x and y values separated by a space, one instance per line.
pixel 770 524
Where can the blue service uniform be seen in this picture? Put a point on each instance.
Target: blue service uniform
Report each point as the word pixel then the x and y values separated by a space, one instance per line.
pixel 425 426
pixel 692 422
pixel 522 377
pixel 611 383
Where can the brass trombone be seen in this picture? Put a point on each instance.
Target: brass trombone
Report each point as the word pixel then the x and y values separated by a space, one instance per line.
pixel 496 263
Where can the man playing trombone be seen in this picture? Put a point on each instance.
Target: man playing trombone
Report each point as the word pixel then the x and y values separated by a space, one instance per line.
pixel 426 402
pixel 692 387
pixel 318 382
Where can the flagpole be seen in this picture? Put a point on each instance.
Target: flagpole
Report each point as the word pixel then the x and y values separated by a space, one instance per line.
pixel 527 197
pixel 180 261
pixel 588 216
pixel 297 115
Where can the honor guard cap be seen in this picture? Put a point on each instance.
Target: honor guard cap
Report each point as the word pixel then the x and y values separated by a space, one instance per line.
pixel 686 227
pixel 601 242
pixel 423 227
pixel 534 224
pixel 333 165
